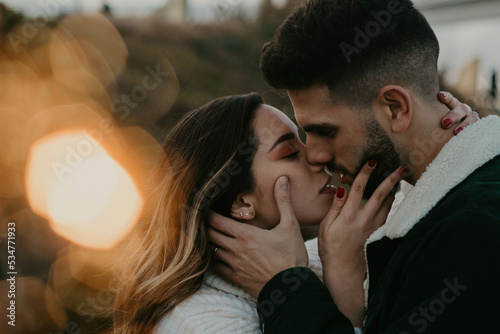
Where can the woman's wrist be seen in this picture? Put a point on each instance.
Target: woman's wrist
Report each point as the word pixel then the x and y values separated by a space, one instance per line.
pixel 345 267
pixel 348 295
pixel 345 284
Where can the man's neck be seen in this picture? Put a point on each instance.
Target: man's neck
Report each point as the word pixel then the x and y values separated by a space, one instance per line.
pixel 426 140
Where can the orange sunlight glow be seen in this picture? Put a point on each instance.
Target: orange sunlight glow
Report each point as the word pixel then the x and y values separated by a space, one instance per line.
pixel 85 194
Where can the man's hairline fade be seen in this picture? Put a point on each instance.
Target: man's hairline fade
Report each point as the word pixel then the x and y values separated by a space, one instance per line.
pixel 423 54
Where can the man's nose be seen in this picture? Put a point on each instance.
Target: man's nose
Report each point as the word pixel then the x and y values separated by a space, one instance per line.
pixel 317 154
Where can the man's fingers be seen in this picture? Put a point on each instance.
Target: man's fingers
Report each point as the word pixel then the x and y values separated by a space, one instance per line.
pixel 359 185
pixel 228 226
pixel 283 198
pixel 383 190
pixel 220 254
pixel 223 269
pixel 219 239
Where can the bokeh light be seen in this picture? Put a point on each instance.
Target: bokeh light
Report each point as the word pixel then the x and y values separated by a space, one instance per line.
pixel 86 195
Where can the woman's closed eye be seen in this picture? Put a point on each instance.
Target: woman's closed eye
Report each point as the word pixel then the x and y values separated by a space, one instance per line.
pixel 292 155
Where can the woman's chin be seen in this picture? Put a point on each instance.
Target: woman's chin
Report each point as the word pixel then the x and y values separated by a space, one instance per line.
pixel 311 221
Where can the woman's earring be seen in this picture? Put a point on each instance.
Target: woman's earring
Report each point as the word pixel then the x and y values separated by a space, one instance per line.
pixel 241 214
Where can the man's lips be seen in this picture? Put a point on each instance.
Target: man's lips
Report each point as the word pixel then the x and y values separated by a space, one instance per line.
pixel 346 179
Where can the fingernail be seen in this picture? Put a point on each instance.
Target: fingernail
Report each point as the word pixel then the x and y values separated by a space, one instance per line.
pixel 447 122
pixel 459 130
pixel 402 171
pixel 340 192
pixel 284 182
pixel 372 163
pixel 443 95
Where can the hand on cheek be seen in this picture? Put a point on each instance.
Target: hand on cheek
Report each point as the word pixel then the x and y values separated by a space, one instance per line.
pixel 250 256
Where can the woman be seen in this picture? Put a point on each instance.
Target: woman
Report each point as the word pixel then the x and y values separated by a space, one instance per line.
pixel 225 157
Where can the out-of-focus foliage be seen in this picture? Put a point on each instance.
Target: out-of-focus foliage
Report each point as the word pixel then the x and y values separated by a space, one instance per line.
pixel 210 60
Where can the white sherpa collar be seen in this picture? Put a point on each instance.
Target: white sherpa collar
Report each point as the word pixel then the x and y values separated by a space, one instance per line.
pixel 462 155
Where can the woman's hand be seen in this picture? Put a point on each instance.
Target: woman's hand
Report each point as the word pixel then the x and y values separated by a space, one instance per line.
pixel 342 236
pixel 460 115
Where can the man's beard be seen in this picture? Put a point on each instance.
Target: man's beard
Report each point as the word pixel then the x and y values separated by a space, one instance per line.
pixel 379 147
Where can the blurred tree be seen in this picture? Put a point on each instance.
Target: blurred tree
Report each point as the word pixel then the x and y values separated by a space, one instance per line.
pixel 8 19
pixel 268 12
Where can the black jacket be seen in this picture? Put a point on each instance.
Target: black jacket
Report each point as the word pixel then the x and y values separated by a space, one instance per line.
pixel 439 274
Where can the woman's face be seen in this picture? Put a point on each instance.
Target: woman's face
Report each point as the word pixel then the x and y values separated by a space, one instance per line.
pixel 281 153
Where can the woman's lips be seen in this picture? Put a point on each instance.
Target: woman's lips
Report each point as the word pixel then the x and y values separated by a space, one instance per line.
pixel 327 188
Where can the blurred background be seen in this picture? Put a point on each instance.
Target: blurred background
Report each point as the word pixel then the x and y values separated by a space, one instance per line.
pixel 89 89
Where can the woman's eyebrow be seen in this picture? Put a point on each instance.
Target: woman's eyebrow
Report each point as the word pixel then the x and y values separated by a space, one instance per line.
pixel 285 137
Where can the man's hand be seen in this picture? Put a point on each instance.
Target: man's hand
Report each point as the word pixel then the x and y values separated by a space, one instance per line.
pixel 250 256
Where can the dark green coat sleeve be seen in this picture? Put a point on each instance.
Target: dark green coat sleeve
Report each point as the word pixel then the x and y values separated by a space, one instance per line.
pixel 296 301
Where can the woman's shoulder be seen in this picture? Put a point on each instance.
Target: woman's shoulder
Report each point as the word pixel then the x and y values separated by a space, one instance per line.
pixel 218 306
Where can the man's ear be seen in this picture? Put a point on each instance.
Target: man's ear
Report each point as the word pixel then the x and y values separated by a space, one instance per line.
pixel 243 208
pixel 396 107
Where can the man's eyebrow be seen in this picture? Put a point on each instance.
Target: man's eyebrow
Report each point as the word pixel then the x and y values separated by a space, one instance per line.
pixel 285 137
pixel 319 127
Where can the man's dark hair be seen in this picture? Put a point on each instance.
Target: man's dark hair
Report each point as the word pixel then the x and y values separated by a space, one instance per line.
pixel 355 47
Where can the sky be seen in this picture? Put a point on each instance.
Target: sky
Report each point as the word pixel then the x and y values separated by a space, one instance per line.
pixel 124 7
pixel 202 9
pixel 141 6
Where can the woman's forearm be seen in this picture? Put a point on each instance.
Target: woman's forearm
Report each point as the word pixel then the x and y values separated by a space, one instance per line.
pixel 346 288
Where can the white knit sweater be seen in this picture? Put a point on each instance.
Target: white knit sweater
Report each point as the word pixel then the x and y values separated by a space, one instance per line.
pixel 221 307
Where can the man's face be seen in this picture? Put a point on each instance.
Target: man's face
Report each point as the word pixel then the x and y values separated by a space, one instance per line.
pixel 342 139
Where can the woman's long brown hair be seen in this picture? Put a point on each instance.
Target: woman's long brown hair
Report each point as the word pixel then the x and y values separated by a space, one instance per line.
pixel 207 163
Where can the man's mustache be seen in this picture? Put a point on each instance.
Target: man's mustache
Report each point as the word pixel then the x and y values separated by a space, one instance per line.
pixel 337 169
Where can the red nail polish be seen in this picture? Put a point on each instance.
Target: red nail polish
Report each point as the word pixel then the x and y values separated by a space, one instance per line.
pixel 340 192
pixel 447 122
pixel 459 130
pixel 443 95
pixel 403 170
pixel 372 163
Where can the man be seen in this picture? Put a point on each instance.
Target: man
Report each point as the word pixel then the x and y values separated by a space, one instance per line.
pixel 362 77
